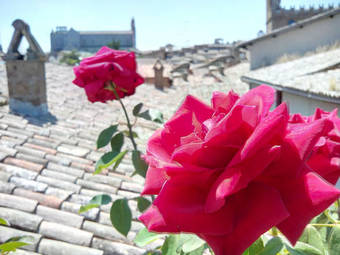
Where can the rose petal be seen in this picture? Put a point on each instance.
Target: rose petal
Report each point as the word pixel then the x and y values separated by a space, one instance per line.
pixel 156 149
pixel 269 132
pixel 262 97
pixel 305 198
pixel 304 136
pixel 260 208
pixel 235 178
pixel 223 102
pixel 234 129
pixel 154 181
pixel 326 166
pixel 181 205
pixel 195 106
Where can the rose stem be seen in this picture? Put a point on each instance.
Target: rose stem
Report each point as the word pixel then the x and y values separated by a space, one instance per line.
pixel 323 225
pixel 113 86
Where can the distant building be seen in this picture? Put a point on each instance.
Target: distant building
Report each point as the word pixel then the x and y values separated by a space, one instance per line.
pixel 278 16
pixel 296 39
pixel 91 41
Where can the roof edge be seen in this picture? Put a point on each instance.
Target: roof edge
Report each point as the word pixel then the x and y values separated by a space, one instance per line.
pixel 294 91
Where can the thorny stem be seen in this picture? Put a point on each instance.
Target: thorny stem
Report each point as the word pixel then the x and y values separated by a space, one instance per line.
pixel 113 86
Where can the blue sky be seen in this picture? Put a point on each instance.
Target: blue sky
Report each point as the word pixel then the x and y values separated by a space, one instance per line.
pixel 158 22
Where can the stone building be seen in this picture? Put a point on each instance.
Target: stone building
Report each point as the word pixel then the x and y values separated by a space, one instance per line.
pixel 91 41
pixel 278 16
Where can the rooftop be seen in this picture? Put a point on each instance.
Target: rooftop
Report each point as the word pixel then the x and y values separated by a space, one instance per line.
pixel 316 75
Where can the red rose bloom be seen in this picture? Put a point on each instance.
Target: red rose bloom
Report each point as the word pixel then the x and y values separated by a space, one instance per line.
pixel 94 74
pixel 231 171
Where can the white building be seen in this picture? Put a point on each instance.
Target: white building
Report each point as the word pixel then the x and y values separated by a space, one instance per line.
pixel 296 39
pixel 305 83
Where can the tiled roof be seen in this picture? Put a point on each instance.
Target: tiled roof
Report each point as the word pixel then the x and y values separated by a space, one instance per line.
pixel 46 168
pixel 313 74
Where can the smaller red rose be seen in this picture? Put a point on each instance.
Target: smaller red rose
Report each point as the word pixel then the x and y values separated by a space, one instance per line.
pixel 96 73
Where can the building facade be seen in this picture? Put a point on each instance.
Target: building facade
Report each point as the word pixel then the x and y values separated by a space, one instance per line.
pixel 297 39
pixel 91 41
pixel 278 16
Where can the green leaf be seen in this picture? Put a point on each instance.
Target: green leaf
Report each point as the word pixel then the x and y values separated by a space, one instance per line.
pixel 307 249
pixel 4 222
pixel 191 243
pixel 119 160
pixel 102 199
pixel 105 136
pixel 156 116
pixel 312 237
pixel 144 237
pixel 293 251
pixel 85 208
pixel 170 245
pixel 334 241
pixel 273 246
pixel 20 238
pixel 95 202
pixel 127 133
pixel 11 246
pixel 153 115
pixel 120 215
pixel 108 159
pixel 137 109
pixel 255 248
pixel 198 251
pixel 139 164
pixel 142 204
pixel 117 142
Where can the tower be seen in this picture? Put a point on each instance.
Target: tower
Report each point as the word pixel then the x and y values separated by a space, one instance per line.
pixel 133 29
pixel 272 6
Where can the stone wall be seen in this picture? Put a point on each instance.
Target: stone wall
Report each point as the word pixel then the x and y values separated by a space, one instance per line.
pixel 92 42
pixel 27 86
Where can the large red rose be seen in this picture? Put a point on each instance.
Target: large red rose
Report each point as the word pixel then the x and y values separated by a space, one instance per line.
pixel 231 171
pixel 95 73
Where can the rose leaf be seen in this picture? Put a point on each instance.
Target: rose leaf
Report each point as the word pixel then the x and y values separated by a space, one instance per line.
pixel 142 204
pixel 117 142
pixel 144 237
pixel 334 241
pixel 120 215
pixel 139 164
pixel 137 109
pixel 273 246
pixel 105 136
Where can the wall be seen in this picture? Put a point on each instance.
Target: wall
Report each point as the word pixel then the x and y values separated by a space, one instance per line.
pixel 94 42
pixel 300 104
pixel 296 41
pixel 306 106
